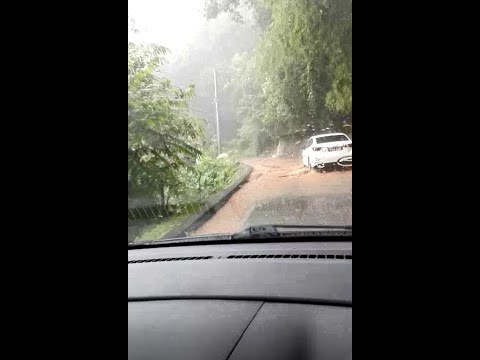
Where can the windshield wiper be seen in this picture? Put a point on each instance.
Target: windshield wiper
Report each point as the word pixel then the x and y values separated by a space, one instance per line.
pixel 262 233
pixel 276 231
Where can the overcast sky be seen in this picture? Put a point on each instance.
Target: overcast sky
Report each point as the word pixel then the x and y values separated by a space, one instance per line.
pixel 171 23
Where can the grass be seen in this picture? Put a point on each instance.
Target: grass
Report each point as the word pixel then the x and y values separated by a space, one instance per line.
pixel 160 228
pixel 158 231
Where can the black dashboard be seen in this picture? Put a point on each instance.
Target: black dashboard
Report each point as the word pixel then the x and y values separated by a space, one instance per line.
pixel 273 300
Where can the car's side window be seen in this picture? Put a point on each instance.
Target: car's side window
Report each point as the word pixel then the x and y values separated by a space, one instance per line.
pixel 309 143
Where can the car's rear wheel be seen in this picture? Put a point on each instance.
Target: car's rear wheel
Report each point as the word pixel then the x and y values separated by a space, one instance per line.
pixel 309 165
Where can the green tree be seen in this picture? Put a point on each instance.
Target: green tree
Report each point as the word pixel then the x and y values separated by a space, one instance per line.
pixel 304 62
pixel 302 65
pixel 163 139
pixel 240 11
pixel 217 41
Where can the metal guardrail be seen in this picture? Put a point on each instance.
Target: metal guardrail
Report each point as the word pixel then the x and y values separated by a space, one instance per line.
pixel 148 212
pixel 157 211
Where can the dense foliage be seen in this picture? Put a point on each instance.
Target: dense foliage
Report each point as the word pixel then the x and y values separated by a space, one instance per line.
pixel 283 67
pixel 300 72
pixel 209 175
pixel 164 140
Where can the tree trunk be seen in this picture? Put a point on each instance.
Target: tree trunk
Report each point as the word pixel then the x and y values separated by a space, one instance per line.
pixel 162 198
pixel 281 147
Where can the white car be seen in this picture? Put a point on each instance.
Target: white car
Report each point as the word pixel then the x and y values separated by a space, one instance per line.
pixel 328 149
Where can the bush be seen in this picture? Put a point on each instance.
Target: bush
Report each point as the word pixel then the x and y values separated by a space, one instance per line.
pixel 209 176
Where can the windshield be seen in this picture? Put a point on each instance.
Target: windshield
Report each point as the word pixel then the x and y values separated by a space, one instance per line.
pixel 224 100
pixel 331 138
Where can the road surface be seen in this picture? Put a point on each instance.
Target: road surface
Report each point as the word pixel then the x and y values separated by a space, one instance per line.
pixel 282 191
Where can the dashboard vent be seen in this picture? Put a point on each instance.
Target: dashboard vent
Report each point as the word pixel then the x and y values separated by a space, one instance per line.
pixel 292 256
pixel 262 256
pixel 170 259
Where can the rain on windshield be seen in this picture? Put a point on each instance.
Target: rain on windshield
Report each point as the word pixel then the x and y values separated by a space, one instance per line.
pixel 226 99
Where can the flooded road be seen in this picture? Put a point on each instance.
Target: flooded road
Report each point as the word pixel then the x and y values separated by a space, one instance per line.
pixel 282 191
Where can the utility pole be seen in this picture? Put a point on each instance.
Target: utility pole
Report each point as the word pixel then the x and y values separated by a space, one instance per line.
pixel 216 109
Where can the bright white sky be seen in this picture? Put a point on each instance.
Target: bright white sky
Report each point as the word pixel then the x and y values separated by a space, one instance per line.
pixel 171 23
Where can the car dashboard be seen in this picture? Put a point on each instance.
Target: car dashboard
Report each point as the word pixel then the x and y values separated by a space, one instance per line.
pixel 263 300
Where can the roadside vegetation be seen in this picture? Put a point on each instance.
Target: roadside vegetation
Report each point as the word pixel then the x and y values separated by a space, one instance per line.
pixel 170 163
pixel 284 70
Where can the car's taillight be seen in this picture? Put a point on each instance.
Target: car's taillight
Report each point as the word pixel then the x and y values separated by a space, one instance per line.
pixel 349 145
pixel 316 148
